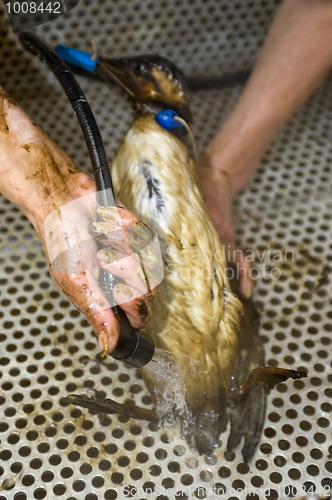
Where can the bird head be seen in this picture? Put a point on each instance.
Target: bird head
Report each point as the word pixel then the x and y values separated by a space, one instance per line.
pixel 152 80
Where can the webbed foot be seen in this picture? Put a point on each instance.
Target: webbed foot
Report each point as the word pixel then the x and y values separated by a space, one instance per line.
pixel 247 419
pixel 267 377
pixel 247 412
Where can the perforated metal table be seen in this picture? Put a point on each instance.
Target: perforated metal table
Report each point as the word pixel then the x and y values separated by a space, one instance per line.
pixel 284 220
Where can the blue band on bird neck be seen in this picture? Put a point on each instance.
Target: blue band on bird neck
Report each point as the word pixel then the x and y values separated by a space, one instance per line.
pixel 78 57
pixel 165 118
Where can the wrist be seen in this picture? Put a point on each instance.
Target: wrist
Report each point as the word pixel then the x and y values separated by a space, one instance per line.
pixel 59 190
pixel 238 147
pixel 38 196
pixel 210 175
pixel 213 167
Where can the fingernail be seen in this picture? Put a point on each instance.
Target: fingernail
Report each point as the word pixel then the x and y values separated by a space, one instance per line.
pixel 124 290
pixel 98 229
pixel 106 256
pixel 91 228
pixel 144 311
pixel 248 293
pixel 142 231
pixel 109 212
pixel 104 351
pixel 149 257
pixel 103 227
pixel 103 343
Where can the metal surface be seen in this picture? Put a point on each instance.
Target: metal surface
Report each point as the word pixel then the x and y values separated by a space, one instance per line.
pixel 283 218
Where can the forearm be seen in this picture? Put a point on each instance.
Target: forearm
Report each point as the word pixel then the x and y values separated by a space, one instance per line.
pixel 35 174
pixel 295 58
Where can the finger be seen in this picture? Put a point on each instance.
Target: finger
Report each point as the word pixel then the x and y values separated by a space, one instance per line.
pixel 104 229
pixel 121 216
pixel 128 268
pixel 135 294
pixel 84 291
pixel 149 257
pixel 243 269
pixel 140 236
pixel 135 238
pixel 246 282
pixel 75 252
pixel 137 309
pixel 139 233
pixel 153 292
pixel 110 235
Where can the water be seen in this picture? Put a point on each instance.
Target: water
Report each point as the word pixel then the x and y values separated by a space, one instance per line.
pixel 170 395
pixel 164 371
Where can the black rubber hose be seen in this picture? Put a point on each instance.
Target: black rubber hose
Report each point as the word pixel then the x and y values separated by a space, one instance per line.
pixel 83 111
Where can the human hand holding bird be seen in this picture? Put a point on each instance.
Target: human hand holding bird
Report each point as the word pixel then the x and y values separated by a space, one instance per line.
pixel 216 185
pixel 38 177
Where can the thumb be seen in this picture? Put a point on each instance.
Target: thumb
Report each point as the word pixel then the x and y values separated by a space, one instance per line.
pixel 85 293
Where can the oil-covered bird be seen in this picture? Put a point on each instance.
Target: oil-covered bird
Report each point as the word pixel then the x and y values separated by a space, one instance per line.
pixel 215 369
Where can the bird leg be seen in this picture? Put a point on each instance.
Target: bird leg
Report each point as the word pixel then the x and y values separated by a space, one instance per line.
pixel 248 405
pixel 110 406
pixel 267 377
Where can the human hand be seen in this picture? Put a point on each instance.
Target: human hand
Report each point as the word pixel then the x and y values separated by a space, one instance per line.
pixel 218 195
pixel 132 254
pixel 39 178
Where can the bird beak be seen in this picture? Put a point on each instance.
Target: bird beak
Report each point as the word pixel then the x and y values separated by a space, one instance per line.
pixel 122 72
pixel 148 85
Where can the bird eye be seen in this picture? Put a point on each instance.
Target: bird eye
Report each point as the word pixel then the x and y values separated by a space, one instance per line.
pixel 139 68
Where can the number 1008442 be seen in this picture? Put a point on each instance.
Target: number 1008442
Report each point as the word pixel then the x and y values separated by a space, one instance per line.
pixel 33 7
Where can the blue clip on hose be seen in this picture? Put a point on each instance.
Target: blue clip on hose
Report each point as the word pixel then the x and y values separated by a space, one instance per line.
pixel 77 57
